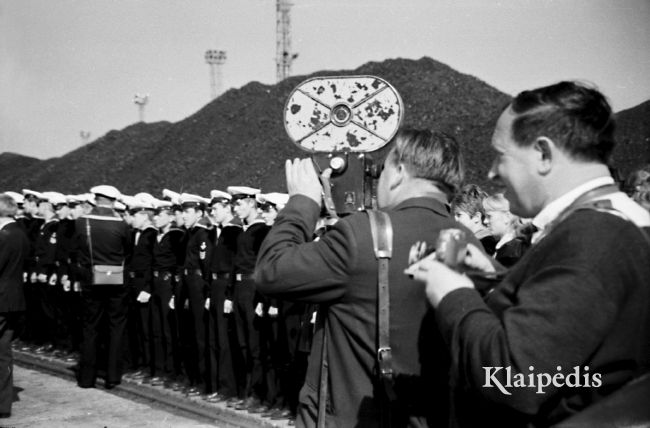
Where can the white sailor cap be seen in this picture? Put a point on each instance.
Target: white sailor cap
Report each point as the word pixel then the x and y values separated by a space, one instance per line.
pixel 32 194
pixel 189 200
pixel 279 200
pixel 88 198
pixel 119 206
pixel 17 197
pixel 241 192
pixel 55 198
pixel 174 197
pixel 161 205
pixel 140 202
pixel 219 196
pixel 141 205
pixel 144 196
pixel 128 200
pixel 107 191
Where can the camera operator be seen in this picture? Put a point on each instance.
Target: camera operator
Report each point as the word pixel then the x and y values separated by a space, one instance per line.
pixel 339 272
pixel 578 299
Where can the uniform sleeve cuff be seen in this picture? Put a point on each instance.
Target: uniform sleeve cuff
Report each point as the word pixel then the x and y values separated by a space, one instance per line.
pixel 454 307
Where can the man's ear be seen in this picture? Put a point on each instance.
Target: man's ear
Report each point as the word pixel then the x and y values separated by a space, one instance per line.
pixel 545 150
pixel 398 178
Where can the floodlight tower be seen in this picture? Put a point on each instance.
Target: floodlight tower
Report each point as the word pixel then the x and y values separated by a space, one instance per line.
pixel 216 59
pixel 85 136
pixel 141 101
pixel 283 55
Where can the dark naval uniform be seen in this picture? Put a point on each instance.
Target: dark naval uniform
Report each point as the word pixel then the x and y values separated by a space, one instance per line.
pixel 68 299
pixel 220 290
pixel 196 287
pixel 140 279
pixel 339 272
pixel 168 257
pixel 31 225
pixel 110 246
pixel 45 248
pixel 14 250
pixel 245 299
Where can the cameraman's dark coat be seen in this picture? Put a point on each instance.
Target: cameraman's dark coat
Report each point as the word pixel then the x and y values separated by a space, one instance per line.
pixel 339 272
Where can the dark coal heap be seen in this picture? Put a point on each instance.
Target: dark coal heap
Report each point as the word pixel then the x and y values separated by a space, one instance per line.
pixel 239 138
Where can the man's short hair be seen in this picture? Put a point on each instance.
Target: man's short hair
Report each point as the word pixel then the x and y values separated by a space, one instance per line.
pixel 470 200
pixel 430 155
pixel 8 207
pixel 574 116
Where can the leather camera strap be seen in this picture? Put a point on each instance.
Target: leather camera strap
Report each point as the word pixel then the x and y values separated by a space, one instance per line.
pixel 381 230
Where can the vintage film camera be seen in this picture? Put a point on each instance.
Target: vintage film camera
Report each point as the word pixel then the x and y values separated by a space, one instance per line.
pixel 450 249
pixel 344 122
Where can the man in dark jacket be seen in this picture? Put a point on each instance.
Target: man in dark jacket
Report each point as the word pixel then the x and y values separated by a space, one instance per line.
pixel 570 322
pixel 14 249
pixel 339 272
pixel 102 238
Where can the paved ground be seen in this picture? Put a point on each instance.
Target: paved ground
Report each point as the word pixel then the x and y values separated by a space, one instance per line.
pixel 48 396
pixel 49 401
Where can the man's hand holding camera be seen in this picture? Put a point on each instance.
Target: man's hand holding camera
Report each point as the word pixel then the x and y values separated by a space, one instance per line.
pixel 302 179
pixel 439 278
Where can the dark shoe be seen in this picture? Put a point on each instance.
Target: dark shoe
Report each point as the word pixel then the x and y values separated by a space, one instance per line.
pixel 215 397
pixel 137 375
pixel 281 414
pixel 249 403
pixel 5 415
pixel 85 385
pixel 258 409
pixel 270 411
pixel 156 381
pixel 193 391
pixel 234 402
pixel 173 385
pixel 111 385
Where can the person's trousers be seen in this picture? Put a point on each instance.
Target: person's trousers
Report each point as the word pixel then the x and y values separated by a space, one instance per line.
pixel 101 301
pixel 7 326
pixel 195 292
pixel 220 339
pixel 248 337
pixel 162 321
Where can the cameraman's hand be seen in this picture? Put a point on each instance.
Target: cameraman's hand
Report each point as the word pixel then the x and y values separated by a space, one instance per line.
pixel 303 180
pixel 439 279
pixel 417 252
pixel 477 259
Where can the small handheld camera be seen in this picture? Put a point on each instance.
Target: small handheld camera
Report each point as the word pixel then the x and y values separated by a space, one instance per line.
pixel 450 249
pixel 343 121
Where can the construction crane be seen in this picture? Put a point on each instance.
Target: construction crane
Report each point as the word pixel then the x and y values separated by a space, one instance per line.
pixel 284 55
pixel 215 59
pixel 141 101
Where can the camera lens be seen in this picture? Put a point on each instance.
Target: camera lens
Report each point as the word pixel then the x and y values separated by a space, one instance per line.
pixel 337 164
pixel 341 114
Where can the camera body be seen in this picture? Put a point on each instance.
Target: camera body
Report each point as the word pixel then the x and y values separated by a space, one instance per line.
pixel 344 122
pixel 451 247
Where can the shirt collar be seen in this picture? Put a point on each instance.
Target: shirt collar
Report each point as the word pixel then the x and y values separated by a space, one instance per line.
pixel 6 222
pixel 551 211
pixel 504 239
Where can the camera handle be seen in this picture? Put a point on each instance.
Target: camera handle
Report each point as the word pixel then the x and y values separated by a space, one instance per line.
pixel 327 194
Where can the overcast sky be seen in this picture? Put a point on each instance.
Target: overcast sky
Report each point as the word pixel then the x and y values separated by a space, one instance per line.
pixel 73 65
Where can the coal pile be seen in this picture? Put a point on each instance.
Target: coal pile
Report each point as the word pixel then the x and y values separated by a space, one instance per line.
pixel 239 138
pixel 632 138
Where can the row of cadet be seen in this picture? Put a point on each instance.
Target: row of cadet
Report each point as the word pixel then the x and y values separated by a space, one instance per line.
pixel 187 316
